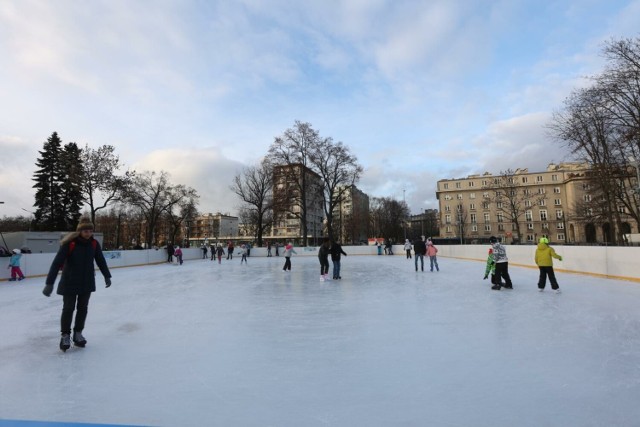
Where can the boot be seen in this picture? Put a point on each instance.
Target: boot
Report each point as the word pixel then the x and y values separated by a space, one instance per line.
pixel 78 339
pixel 496 287
pixel 65 342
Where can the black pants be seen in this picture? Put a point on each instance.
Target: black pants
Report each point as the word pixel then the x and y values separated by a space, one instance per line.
pixel 287 263
pixel 170 258
pixel 502 272
pixel 544 272
pixel 324 265
pixel 79 303
pixel 408 253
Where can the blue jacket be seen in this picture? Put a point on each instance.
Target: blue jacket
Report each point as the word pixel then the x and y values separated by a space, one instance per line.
pixel 15 260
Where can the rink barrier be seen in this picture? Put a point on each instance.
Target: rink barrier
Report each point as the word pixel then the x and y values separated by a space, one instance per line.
pixel 599 261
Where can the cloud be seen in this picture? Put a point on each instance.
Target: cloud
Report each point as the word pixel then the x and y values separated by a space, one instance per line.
pixel 204 169
pixel 16 173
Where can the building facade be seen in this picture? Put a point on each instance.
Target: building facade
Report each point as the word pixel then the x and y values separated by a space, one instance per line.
pixel 288 181
pixel 209 228
pixel 351 217
pixel 553 203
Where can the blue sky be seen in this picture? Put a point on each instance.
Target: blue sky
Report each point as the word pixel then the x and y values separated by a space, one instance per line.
pixel 420 90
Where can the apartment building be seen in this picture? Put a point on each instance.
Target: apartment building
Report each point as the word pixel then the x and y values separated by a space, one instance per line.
pixel 288 202
pixel 209 228
pixel 351 217
pixel 551 203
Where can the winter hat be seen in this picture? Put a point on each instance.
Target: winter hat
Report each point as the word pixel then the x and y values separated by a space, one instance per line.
pixel 84 224
pixel 17 251
pixel 544 240
pixel 493 239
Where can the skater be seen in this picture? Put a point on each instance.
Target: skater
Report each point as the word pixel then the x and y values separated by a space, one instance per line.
pixel 490 267
pixel 204 251
pixel 431 253
pixel 244 251
pixel 14 265
pixel 268 249
pixel 288 251
pixel 502 265
pixel 419 248
pixel 407 248
pixel 213 251
pixel 76 257
pixel 230 250
pixel 277 246
pixel 170 251
pixel 544 260
pixel 388 247
pixel 248 249
pixel 323 257
pixel 178 254
pixel 336 251
pixel 220 252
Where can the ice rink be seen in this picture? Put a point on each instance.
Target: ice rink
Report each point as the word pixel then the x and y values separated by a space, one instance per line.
pixel 249 345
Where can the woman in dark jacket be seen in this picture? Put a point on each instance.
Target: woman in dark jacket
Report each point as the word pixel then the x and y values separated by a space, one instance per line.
pixel 76 259
pixel 323 257
pixel 336 251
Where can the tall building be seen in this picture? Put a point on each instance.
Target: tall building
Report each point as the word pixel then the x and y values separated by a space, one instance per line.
pixel 209 228
pixel 425 224
pixel 553 203
pixel 288 202
pixel 351 217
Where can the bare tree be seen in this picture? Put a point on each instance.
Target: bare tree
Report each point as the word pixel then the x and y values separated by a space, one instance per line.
pixel 512 198
pixel 339 170
pixel 101 184
pixel 388 217
pixel 254 187
pixel 461 221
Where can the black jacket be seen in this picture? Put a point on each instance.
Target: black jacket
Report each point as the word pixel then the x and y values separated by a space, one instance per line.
pixel 323 252
pixel 336 250
pixel 78 273
pixel 420 247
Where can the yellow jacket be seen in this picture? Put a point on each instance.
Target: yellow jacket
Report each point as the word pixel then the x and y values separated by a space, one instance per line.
pixel 544 255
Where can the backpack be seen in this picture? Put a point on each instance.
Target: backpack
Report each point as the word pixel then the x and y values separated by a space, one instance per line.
pixel 72 246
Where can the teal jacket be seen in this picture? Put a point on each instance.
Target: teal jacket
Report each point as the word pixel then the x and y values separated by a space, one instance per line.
pixel 15 260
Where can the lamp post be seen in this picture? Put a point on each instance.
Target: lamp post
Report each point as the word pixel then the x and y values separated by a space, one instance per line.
pixel 30 221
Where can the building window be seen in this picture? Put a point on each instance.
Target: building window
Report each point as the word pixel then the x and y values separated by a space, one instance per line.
pixel 458 184
pixel 472 195
pixel 447 219
pixel 561 236
pixel 558 214
pixel 539 178
pixel 471 183
pixel 545 225
pixel 529 226
pixel 499 205
pixel 487 217
pixel 621 209
pixel 474 227
pixel 446 186
pixel 448 229
pixel 557 202
pixel 473 218
pixel 541 191
pixel 526 192
pixel 459 196
pixel 485 205
pixel 510 180
pixel 586 186
pixel 556 190
pixel 587 197
pixel 525 179
pixel 554 178
pixel 447 208
pixel 560 226
pixel 528 216
pixel 527 203
pixel 500 217
pixel 542 202
pixel 447 197
pixel 543 215
pixel 485 183
pixel 472 206
pixel 487 227
pixel 530 237
pixel 500 227
pixel 485 195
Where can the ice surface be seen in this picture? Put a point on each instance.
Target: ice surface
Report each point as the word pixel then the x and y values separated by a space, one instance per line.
pixel 250 345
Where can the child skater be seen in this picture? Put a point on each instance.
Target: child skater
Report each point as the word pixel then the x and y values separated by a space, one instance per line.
pixel 14 264
pixel 288 250
pixel 243 251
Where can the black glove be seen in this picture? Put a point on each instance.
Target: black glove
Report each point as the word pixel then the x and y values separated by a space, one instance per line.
pixel 107 282
pixel 485 277
pixel 47 290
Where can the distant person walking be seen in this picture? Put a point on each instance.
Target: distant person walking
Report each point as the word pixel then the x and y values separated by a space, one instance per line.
pixel 407 248
pixel 288 251
pixel 14 265
pixel 502 265
pixel 419 248
pixel 544 260
pixel 432 252
pixel 76 256
pixel 336 252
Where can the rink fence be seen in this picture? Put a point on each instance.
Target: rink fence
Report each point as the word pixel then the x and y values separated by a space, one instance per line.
pixel 603 261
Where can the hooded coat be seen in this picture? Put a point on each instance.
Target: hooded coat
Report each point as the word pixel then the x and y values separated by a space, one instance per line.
pixel 78 271
pixel 545 254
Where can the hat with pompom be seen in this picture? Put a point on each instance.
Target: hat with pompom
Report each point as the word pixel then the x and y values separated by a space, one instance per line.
pixel 84 224
pixel 17 251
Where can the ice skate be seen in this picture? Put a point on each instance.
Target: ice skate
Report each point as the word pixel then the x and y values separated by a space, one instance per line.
pixel 321 278
pixel 78 339
pixel 558 291
pixel 65 342
pixel 540 289
pixel 496 287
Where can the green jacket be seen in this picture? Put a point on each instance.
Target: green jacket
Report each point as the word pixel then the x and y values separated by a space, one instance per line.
pixel 544 255
pixel 491 265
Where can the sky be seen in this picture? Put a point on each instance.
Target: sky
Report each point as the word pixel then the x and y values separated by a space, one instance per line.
pixel 418 90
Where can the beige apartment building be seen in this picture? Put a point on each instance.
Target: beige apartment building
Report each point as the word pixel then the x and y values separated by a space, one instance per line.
pixel 209 228
pixel 351 217
pixel 287 224
pixel 555 204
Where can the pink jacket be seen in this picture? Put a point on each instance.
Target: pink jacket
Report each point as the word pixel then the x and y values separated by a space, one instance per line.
pixel 431 250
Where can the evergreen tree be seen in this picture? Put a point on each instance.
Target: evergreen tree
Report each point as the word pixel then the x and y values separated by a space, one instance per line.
pixel 48 178
pixel 72 168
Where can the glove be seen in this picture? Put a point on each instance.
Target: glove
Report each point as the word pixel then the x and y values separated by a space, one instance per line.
pixel 486 276
pixel 47 290
pixel 107 282
pixel 560 258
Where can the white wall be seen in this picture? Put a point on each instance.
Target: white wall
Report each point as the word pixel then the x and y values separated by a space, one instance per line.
pixel 613 262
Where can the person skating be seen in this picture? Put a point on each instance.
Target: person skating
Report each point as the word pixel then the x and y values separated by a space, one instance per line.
pixel 288 251
pixel 419 249
pixel 76 256
pixel 230 249
pixel 220 252
pixel 336 252
pixel 213 251
pixel 244 251
pixel 14 265
pixel 502 265
pixel 407 248
pixel 178 254
pixel 204 251
pixel 269 249
pixel 432 252
pixel 544 260
pixel 170 252
pixel 323 257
